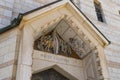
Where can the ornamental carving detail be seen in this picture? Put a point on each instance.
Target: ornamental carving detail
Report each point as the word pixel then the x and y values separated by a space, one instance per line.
pixel 53 43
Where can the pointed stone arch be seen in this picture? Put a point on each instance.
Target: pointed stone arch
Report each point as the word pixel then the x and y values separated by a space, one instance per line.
pixel 35 24
pixel 58 69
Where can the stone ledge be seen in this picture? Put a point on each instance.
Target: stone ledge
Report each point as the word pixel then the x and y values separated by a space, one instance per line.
pixel 45 56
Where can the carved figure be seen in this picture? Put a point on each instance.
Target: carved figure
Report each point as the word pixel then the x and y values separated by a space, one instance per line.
pixel 53 43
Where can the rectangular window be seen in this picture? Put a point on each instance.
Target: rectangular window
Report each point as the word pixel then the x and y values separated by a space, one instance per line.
pixel 98 11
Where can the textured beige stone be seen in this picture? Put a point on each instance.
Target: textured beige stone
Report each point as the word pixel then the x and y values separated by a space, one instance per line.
pixel 5 64
pixel 7 54
pixel 8 57
pixel 6 72
pixel 30 31
pixel 71 67
pixel 1 59
pixel 110 28
pixel 26 71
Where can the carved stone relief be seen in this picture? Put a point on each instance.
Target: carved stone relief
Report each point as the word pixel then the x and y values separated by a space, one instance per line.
pixel 80 47
pixel 53 43
pixel 63 40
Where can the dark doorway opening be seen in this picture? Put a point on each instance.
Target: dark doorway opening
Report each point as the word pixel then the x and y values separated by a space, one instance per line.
pixel 49 74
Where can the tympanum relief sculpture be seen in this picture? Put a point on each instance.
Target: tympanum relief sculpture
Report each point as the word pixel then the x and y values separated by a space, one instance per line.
pixel 53 42
pixel 64 40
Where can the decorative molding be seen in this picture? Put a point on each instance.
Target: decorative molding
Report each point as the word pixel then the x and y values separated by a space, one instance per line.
pixel 40 55
pixel 53 43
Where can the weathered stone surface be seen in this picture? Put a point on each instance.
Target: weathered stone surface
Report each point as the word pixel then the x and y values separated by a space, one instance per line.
pixel 7 54
pixel 9 9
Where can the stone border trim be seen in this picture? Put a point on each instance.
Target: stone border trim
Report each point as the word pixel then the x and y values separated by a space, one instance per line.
pixel 9 78
pixel 114 64
pixel 12 62
pixel 5 7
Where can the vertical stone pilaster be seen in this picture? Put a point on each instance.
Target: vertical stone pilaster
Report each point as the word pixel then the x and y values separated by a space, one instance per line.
pixel 24 67
pixel 103 62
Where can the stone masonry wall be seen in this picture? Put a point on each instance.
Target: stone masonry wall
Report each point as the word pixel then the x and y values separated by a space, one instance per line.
pixel 9 9
pixel 22 6
pixel 110 28
pixel 6 7
pixel 7 55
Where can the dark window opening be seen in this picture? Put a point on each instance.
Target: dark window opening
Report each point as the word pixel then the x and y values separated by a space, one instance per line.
pixel 98 11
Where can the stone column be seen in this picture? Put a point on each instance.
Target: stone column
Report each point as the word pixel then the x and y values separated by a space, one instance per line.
pixel 24 71
pixel 103 62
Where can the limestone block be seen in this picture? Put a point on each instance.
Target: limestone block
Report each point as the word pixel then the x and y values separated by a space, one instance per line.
pixel 1 26
pixel 0 20
pixel 27 48
pixel 26 71
pixel 66 66
pixel 67 70
pixel 8 13
pixel 6 72
pixel 10 1
pixel 1 59
pixel 3 50
pixel 2 44
pixel 114 48
pixel 9 57
pixel 45 65
pixel 2 2
pixel 8 4
pixel 5 22
pixel 12 47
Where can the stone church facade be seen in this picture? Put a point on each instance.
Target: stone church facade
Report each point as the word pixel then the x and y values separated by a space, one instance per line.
pixel 59 39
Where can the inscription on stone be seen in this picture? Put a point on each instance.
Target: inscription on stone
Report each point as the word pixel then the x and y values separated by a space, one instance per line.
pixel 56 58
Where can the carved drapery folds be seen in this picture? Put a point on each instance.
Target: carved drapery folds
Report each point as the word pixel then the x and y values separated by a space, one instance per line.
pixel 53 43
